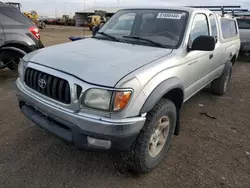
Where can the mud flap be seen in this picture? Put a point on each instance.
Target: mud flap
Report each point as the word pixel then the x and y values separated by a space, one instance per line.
pixel 177 126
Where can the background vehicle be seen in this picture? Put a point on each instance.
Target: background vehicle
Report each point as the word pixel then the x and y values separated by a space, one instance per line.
pixel 96 19
pixel 18 36
pixel 128 96
pixel 66 20
pixel 40 23
pixel 244 27
pixel 93 21
pixel 33 16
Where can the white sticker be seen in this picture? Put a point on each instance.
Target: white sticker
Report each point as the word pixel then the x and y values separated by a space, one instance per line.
pixel 175 16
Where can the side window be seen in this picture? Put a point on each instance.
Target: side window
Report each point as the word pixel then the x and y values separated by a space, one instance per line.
pixel 228 28
pixel 199 27
pixel 243 23
pixel 233 27
pixel 213 26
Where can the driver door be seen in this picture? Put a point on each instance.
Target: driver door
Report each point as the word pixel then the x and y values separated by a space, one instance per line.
pixel 198 61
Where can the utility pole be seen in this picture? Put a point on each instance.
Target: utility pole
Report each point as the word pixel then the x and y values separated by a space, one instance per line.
pixel 65 12
pixel 85 17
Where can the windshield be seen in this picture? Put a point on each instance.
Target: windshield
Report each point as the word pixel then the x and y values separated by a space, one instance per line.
pixel 244 23
pixel 165 27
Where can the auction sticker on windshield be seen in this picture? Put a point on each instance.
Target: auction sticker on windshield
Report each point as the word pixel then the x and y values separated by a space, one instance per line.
pixel 176 16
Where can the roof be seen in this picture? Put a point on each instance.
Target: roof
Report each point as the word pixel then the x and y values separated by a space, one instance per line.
pixel 115 9
pixel 163 6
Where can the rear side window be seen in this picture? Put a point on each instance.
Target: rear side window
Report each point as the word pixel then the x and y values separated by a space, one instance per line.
pixel 229 28
pixel 244 23
pixel 199 27
pixel 11 13
pixel 213 26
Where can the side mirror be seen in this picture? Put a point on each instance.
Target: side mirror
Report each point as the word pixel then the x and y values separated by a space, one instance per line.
pixel 95 29
pixel 203 43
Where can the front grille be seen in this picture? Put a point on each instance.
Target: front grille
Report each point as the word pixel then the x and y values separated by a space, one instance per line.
pixel 48 85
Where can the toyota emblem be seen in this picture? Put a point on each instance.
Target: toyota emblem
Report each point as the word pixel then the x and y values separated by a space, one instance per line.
pixel 42 83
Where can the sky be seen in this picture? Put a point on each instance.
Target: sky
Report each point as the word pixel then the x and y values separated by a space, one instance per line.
pixel 56 8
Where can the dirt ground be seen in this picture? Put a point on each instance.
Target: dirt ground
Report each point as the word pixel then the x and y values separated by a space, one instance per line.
pixel 59 34
pixel 207 153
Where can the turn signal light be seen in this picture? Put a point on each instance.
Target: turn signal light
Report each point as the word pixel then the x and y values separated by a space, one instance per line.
pixel 121 100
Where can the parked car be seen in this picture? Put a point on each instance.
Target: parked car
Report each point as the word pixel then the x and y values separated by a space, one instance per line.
pixel 244 27
pixel 128 96
pixel 41 24
pixel 18 36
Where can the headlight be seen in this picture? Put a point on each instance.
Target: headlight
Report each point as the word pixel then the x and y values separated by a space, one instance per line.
pixel 97 98
pixel 106 99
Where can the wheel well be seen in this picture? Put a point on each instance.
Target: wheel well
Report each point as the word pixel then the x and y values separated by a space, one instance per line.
pixel 176 96
pixel 233 60
pixel 11 50
pixel 19 46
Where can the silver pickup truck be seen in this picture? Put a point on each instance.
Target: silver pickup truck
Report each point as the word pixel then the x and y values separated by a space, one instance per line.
pixel 123 88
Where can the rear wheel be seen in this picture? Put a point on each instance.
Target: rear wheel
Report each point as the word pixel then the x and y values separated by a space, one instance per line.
pixel 11 58
pixel 219 86
pixel 154 139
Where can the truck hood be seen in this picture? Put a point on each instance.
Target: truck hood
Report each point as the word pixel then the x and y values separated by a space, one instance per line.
pixel 96 61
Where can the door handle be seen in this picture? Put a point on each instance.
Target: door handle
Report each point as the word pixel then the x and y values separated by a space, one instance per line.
pixel 211 56
pixel 193 62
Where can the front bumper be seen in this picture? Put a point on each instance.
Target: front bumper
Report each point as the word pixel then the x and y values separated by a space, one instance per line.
pixel 83 130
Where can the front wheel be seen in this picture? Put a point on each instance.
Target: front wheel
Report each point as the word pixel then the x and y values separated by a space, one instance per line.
pixel 154 140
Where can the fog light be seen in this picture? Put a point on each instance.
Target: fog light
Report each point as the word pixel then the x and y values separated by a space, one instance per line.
pixel 106 144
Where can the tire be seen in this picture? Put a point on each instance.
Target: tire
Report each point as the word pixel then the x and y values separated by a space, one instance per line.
pixel 13 56
pixel 219 86
pixel 140 158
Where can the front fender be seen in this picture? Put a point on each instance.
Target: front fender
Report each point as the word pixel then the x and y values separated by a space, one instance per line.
pixel 163 88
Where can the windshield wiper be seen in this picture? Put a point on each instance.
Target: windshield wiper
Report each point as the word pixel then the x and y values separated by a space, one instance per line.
pixel 147 40
pixel 109 36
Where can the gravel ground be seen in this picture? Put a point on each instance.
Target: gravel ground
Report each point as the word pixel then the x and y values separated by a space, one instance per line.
pixel 207 153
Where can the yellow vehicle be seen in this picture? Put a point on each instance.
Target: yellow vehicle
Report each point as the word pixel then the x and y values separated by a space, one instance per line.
pixel 94 20
pixel 32 15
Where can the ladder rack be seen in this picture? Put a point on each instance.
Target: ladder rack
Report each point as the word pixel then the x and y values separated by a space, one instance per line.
pixel 224 9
